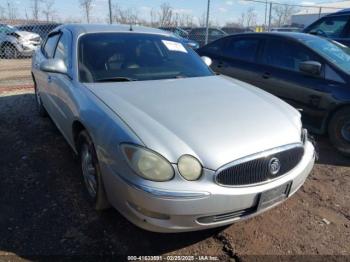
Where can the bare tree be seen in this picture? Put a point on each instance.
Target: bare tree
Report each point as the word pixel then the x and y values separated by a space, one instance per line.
pixel 124 16
pixel 282 14
pixel 248 18
pixel 2 12
pixel 86 5
pixel 241 20
pixel 251 17
pixel 11 10
pixel 154 18
pixel 35 6
pixel 165 14
pixel 48 9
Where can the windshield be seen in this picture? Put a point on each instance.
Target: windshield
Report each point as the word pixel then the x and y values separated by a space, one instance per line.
pixel 135 57
pixel 7 29
pixel 333 51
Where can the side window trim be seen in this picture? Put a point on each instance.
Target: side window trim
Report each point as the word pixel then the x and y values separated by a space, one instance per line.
pixel 47 38
pixel 69 45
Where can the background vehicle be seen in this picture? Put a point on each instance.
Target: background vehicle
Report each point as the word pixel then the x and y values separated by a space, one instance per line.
pixel 42 29
pixel 158 134
pixel 335 26
pixel 15 43
pixel 235 30
pixel 183 35
pixel 198 34
pixel 285 29
pixel 309 72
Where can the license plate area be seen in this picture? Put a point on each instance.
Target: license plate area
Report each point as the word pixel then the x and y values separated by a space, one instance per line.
pixel 274 195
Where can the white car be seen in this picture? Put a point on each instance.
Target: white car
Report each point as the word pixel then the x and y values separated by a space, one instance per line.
pixel 15 43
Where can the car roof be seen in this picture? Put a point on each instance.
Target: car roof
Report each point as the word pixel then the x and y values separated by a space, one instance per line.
pixel 288 35
pixel 79 29
pixel 341 12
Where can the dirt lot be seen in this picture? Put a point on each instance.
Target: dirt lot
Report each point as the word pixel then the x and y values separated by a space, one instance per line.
pixel 43 210
pixel 15 72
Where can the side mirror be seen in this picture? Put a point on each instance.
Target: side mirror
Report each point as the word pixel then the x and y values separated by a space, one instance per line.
pixel 311 68
pixel 54 65
pixel 207 60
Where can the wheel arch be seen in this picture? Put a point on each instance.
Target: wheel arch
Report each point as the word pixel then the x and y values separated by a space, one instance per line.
pixel 77 128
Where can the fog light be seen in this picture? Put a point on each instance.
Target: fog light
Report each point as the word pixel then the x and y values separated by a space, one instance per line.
pixel 148 213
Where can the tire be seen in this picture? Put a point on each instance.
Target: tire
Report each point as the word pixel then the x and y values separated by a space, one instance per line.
pixel 91 174
pixel 339 130
pixel 10 52
pixel 41 109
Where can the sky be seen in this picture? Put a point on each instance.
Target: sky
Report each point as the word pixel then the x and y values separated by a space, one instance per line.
pixel 222 11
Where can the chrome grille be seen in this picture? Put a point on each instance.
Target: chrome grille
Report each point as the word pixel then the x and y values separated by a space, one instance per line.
pixel 256 169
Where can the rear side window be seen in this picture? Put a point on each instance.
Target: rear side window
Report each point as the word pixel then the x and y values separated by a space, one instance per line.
pixel 214 48
pixel 50 45
pixel 243 49
pixel 275 54
pixel 330 26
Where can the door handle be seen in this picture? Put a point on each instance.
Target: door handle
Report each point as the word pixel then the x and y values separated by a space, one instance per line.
pixel 266 75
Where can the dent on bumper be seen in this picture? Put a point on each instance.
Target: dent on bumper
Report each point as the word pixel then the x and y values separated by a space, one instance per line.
pixel 184 209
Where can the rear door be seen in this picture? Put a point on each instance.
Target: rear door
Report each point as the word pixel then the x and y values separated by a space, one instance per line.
pixel 238 59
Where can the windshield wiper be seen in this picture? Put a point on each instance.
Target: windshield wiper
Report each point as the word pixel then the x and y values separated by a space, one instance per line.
pixel 116 79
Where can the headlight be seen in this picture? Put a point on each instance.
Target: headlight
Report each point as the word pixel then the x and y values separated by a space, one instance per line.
pixel 304 136
pixel 189 167
pixel 147 164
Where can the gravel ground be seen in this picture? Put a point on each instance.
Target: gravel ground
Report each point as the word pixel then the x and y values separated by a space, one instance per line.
pixel 43 210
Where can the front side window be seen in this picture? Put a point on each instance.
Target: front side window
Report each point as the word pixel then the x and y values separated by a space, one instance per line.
pixel 285 54
pixel 334 52
pixel 136 57
pixel 50 45
pixel 242 49
pixel 332 27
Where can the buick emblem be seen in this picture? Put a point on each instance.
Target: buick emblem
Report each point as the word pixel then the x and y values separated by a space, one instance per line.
pixel 274 166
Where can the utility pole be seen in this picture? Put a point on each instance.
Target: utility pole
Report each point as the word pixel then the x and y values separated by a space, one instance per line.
pixel 110 11
pixel 270 16
pixel 207 24
pixel 265 24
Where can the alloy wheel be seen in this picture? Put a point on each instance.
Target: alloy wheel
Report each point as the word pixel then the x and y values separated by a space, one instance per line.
pixel 89 171
pixel 345 131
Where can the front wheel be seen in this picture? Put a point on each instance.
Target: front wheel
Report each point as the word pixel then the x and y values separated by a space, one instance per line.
pixel 91 172
pixel 339 130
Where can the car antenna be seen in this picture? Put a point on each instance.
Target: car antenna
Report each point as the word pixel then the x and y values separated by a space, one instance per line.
pixel 130 29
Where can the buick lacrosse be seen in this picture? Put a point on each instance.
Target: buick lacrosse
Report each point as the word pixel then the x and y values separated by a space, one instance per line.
pixel 172 146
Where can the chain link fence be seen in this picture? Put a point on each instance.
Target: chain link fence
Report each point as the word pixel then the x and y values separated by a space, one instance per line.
pixel 25 24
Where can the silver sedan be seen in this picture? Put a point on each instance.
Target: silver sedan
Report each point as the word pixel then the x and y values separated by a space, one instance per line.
pixel 172 146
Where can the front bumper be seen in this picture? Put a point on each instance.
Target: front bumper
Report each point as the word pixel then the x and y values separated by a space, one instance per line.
pixel 162 210
pixel 27 49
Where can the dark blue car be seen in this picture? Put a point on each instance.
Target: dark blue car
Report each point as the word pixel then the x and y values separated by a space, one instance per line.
pixel 309 72
pixel 335 26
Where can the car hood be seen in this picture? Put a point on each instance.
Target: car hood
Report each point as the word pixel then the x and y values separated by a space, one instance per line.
pixel 27 35
pixel 215 118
